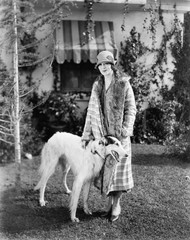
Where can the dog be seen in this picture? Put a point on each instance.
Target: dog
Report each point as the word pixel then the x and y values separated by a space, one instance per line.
pixel 85 163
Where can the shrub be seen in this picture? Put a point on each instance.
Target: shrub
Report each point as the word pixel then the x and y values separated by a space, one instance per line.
pixel 58 113
pixel 158 123
pixel 6 152
pixel 179 143
pixel 149 127
pixel 31 139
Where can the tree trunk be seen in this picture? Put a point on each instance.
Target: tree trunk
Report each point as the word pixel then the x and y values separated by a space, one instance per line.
pixel 16 104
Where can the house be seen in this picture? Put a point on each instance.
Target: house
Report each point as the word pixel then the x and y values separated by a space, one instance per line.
pixel 75 59
pixel 73 68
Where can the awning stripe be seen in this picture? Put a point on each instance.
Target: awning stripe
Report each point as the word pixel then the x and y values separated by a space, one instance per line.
pixel 84 47
pixel 70 41
pixel 76 41
pixel 99 36
pixel 106 35
pixel 67 39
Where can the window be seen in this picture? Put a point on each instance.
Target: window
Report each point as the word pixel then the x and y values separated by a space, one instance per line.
pixel 77 77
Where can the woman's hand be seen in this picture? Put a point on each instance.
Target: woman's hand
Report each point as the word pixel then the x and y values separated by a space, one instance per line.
pixel 84 143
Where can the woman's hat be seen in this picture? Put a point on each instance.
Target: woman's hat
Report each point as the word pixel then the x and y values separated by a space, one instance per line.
pixel 106 57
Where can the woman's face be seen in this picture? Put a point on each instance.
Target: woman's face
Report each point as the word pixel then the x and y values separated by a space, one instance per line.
pixel 105 69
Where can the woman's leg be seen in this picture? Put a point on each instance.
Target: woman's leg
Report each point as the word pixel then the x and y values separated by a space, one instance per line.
pixel 116 208
pixel 109 207
pixel 113 208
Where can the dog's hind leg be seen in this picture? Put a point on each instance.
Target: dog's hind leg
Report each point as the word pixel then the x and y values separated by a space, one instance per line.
pixel 65 168
pixel 86 190
pixel 44 181
pixel 42 192
pixel 65 172
pixel 46 174
pixel 77 186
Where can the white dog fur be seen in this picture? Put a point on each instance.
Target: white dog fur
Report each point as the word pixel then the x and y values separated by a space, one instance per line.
pixel 66 149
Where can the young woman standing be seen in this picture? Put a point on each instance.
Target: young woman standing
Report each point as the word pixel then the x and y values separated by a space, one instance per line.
pixel 112 111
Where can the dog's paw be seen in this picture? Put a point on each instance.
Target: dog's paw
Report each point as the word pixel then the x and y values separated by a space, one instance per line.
pixel 43 203
pixel 75 219
pixel 68 192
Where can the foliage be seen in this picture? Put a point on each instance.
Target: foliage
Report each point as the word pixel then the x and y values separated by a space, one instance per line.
pixel 165 118
pixel 131 51
pixel 134 52
pixel 125 11
pixel 178 144
pixel 6 89
pixel 59 113
pixel 181 88
pixel 21 24
pixel 31 139
pixel 158 122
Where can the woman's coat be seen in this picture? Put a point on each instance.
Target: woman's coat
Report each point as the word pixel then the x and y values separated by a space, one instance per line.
pixel 121 112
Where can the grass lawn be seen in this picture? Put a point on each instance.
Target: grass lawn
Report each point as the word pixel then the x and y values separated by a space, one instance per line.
pixel 157 208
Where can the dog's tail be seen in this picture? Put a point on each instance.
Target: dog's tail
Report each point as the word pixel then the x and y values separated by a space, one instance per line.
pixel 48 164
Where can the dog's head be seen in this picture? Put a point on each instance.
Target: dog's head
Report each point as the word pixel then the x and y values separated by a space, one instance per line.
pixel 109 146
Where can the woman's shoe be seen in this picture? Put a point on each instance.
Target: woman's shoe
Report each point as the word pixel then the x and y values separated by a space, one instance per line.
pixel 107 214
pixel 116 210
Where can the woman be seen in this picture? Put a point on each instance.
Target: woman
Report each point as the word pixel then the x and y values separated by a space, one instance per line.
pixel 112 111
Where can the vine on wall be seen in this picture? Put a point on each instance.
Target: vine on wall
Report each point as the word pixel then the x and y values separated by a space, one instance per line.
pixel 89 28
pixel 133 49
pixel 132 55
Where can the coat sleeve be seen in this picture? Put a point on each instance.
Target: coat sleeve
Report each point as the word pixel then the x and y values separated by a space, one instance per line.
pixel 129 112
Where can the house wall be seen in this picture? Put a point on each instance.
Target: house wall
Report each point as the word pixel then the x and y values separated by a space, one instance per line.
pixel 114 12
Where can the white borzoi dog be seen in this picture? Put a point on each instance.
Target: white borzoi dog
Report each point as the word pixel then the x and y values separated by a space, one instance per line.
pixel 66 149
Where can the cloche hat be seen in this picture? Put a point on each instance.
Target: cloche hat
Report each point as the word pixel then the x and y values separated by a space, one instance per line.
pixel 105 56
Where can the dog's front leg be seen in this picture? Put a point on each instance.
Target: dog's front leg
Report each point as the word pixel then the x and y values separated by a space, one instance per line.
pixel 86 190
pixel 42 193
pixel 77 185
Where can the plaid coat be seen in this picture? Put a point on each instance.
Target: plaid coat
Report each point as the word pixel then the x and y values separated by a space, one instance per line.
pixel 120 115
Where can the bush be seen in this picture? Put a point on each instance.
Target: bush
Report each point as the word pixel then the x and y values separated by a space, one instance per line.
pixel 179 144
pixel 31 139
pixel 158 123
pixel 149 127
pixel 6 153
pixel 58 113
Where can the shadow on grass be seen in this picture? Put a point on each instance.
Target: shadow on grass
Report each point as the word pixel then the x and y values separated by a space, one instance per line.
pixel 22 213
pixel 155 155
pixel 22 218
pixel 158 160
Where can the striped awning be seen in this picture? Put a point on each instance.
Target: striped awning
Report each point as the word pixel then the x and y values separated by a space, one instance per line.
pixel 71 45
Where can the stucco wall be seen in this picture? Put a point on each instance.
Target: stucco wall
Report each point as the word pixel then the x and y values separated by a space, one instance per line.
pixel 133 18
pixel 104 12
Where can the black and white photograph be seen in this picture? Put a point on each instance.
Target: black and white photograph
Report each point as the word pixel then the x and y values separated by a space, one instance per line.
pixel 95 119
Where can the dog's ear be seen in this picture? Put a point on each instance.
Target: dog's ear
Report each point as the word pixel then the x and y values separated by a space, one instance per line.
pixel 103 141
pixel 94 146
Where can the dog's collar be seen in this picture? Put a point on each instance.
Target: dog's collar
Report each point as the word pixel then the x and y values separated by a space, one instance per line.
pixel 99 155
